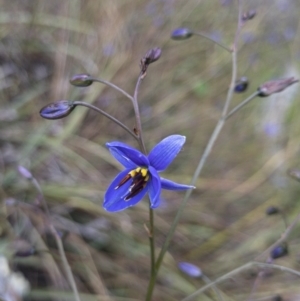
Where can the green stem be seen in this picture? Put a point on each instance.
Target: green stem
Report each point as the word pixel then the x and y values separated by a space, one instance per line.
pixel 152 253
pixel 214 287
pixel 242 104
pixel 188 193
pixel 85 104
pixel 202 161
pixel 237 271
pixel 212 40
pixel 151 213
pixel 102 81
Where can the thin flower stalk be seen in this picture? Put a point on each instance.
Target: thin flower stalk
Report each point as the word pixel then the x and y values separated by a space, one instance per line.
pixel 143 148
pixel 241 105
pixel 138 122
pixel 202 161
pixel 58 241
pixel 90 106
pixel 237 271
pixel 117 88
pixel 212 40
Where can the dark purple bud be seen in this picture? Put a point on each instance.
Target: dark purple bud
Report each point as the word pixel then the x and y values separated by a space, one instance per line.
pixel 279 251
pixel 150 57
pixel 249 15
pixel 241 85
pixel 275 86
pixel 181 34
pixel 277 298
pixel 190 269
pixel 57 110
pixel 81 80
pixel 272 210
pixel 294 173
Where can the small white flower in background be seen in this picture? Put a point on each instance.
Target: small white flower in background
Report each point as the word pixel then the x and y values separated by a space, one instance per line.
pixel 12 285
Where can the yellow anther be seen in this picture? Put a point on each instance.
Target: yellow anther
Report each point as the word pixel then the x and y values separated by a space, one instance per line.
pixel 138 169
pixel 144 172
pixel 132 173
pixel 146 178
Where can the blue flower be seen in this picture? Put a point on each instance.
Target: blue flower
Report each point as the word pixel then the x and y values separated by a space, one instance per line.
pixel 141 174
pixel 181 33
pixel 190 269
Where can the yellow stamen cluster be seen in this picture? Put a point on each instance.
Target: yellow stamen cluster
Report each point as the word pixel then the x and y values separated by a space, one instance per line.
pixel 140 170
pixel 139 177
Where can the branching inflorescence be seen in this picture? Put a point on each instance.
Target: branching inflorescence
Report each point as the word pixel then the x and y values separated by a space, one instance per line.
pixel 140 175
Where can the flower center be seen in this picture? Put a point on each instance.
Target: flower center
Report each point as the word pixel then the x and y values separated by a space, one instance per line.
pixel 139 178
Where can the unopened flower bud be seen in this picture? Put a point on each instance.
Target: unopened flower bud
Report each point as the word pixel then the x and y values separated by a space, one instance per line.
pixel 272 210
pixel 57 110
pixel 190 269
pixel 81 80
pixel 181 34
pixel 279 251
pixel 275 86
pixel 24 172
pixel 150 57
pixel 249 15
pixel 241 85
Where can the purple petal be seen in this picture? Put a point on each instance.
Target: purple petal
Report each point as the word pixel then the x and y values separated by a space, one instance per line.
pixel 154 188
pixel 126 155
pixel 170 185
pixel 190 269
pixel 114 198
pixel 165 151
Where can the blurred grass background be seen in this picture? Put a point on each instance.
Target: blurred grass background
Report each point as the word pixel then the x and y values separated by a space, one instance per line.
pixel 43 43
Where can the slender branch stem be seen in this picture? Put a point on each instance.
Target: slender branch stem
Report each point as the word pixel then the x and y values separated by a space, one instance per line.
pixel 65 262
pixel 242 104
pixel 237 271
pixel 39 189
pixel 283 237
pixel 203 159
pixel 214 287
pixel 212 40
pixel 88 105
pixel 256 284
pixel 188 193
pixel 151 238
pixel 102 81
pixel 58 242
pixel 151 214
pixel 152 254
pixel 137 114
pixel 140 140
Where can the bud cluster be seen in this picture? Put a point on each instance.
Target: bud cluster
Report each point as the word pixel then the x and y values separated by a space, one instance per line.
pixel 150 57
